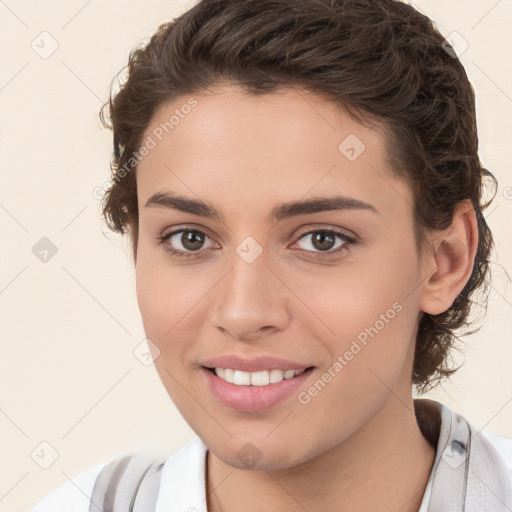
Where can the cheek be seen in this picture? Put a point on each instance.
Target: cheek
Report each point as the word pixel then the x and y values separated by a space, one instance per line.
pixel 164 294
pixel 167 319
pixel 171 304
pixel 158 297
pixel 151 299
pixel 369 355
pixel 350 301
pixel 369 320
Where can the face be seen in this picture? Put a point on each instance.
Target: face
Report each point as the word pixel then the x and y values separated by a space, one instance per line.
pixel 274 236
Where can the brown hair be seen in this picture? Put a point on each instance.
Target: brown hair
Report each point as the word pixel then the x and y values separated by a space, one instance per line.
pixel 381 61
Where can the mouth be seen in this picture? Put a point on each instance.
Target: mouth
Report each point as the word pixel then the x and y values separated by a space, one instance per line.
pixel 259 378
pixel 254 391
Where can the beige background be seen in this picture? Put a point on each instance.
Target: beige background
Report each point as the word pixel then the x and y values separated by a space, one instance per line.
pixel 69 326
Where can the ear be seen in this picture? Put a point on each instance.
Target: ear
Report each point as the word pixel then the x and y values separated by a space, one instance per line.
pixel 448 260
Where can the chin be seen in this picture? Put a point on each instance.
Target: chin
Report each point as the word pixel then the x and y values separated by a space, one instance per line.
pixel 260 453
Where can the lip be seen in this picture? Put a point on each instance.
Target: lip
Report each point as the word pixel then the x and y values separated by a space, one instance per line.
pixel 254 364
pixel 253 398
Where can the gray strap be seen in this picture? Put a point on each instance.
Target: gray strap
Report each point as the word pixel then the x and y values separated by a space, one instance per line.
pixel 106 484
pixel 128 484
pixel 451 476
pixel 146 495
pixel 470 475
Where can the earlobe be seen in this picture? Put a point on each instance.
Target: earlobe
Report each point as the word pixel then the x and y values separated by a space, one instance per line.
pixel 449 260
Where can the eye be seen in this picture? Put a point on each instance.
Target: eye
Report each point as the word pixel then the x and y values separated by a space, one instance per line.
pixel 324 241
pixel 190 240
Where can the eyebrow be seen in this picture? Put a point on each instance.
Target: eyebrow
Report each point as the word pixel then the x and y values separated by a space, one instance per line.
pixel 278 213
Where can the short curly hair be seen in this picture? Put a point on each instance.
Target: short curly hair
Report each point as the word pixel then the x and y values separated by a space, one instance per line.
pixel 380 61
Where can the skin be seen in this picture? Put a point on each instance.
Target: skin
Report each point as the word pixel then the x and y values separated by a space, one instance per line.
pixel 356 445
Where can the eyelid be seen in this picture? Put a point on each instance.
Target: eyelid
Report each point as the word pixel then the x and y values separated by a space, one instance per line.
pixel 185 227
pixel 348 235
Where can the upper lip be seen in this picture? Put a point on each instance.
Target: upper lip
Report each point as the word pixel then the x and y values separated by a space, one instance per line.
pixel 253 364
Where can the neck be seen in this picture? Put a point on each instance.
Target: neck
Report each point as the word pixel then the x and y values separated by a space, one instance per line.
pixel 385 466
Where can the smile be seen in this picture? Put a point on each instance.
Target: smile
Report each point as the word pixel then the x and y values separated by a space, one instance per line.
pixel 254 391
pixel 260 378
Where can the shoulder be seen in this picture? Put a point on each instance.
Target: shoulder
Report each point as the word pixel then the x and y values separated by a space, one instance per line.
pixel 120 477
pixel 132 478
pixel 503 446
pixel 73 495
pixel 487 449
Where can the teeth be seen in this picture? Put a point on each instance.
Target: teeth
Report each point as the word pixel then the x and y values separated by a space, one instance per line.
pixel 242 378
pixel 261 378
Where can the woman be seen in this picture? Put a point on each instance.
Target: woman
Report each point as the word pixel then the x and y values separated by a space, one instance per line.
pixel 301 185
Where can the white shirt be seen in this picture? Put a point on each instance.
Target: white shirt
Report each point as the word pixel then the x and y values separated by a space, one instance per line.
pixel 183 485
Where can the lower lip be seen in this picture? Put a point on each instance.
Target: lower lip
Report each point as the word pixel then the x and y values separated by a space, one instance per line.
pixel 253 398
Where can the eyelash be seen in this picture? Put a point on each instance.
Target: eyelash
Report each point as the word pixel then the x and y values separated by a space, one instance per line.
pixel 344 247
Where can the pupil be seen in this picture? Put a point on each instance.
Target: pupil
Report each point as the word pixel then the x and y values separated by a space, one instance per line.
pixel 191 240
pixel 321 238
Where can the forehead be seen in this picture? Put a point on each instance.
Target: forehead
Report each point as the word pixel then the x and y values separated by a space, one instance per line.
pixel 233 149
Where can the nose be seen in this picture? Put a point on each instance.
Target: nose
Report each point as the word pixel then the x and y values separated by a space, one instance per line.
pixel 250 301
